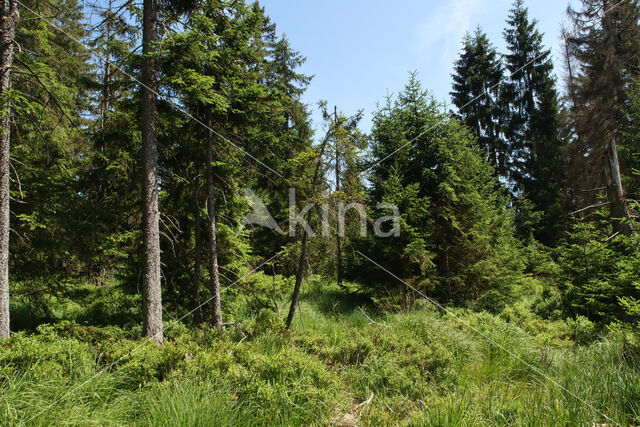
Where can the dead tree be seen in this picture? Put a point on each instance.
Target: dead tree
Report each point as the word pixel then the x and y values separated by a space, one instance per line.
pixel 305 238
pixel 620 214
pixel 212 238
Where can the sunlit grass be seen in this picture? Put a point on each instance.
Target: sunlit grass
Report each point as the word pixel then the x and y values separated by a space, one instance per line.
pixel 421 367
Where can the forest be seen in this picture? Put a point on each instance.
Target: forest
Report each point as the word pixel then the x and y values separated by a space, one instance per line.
pixel 181 245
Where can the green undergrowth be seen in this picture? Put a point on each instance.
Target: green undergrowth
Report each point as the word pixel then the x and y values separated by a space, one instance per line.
pixel 343 363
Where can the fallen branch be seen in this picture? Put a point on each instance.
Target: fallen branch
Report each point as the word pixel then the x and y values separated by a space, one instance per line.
pixel 614 235
pixel 366 402
pixel 244 333
pixel 590 207
pixel 371 321
pixel 18 178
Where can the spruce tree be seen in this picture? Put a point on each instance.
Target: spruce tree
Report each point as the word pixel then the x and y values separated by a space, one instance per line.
pixel 10 15
pixel 536 148
pixel 476 93
pixel 240 87
pixel 109 225
pixel 49 143
pixel 603 44
pixel 346 190
pixel 455 238
pixel 630 149
pixel 151 276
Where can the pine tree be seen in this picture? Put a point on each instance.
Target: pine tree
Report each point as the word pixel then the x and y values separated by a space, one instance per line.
pixel 536 148
pixel 476 93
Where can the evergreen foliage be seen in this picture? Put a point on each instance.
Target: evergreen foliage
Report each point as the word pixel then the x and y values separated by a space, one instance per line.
pixel 496 214
pixel 603 46
pixel 477 86
pixel 537 152
pixel 456 237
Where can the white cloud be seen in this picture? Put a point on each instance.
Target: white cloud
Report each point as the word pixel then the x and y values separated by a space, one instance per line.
pixel 441 33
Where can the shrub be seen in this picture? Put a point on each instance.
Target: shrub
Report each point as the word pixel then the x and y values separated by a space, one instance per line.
pixel 597 269
pixel 45 355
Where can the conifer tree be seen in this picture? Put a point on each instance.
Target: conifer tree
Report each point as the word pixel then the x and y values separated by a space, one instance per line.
pixel 109 230
pixel 48 147
pixel 603 44
pixel 455 237
pixel 239 84
pixel 113 39
pixel 344 165
pixel 630 152
pixel 151 276
pixel 314 183
pixel 536 148
pixel 151 262
pixel 476 93
pixel 10 15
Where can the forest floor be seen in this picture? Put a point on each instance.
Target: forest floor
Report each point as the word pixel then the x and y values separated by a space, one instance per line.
pixel 343 363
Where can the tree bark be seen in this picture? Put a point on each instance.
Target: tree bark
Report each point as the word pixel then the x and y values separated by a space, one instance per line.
pixel 214 280
pixel 10 15
pixel 151 279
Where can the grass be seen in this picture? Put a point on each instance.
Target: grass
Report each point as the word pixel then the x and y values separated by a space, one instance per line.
pixel 344 362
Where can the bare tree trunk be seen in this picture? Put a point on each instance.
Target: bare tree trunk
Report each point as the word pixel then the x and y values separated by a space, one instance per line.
pixel 340 213
pixel 151 280
pixel 106 77
pixel 615 193
pixel 10 16
pixel 303 244
pixel 197 278
pixel 214 283
pixel 299 277
pixel 571 88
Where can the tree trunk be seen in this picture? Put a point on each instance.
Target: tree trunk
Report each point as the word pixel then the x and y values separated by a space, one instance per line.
pixel 214 281
pixel 197 278
pixel 152 290
pixel 615 193
pixel 303 245
pixel 340 213
pixel 106 76
pixel 10 15
pixel 299 277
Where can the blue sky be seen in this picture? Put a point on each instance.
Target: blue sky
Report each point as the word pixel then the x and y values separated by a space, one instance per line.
pixel 360 50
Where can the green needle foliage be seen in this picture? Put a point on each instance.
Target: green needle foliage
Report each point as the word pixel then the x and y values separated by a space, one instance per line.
pixel 456 238
pixel 479 212
pixel 537 152
pixel 477 86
